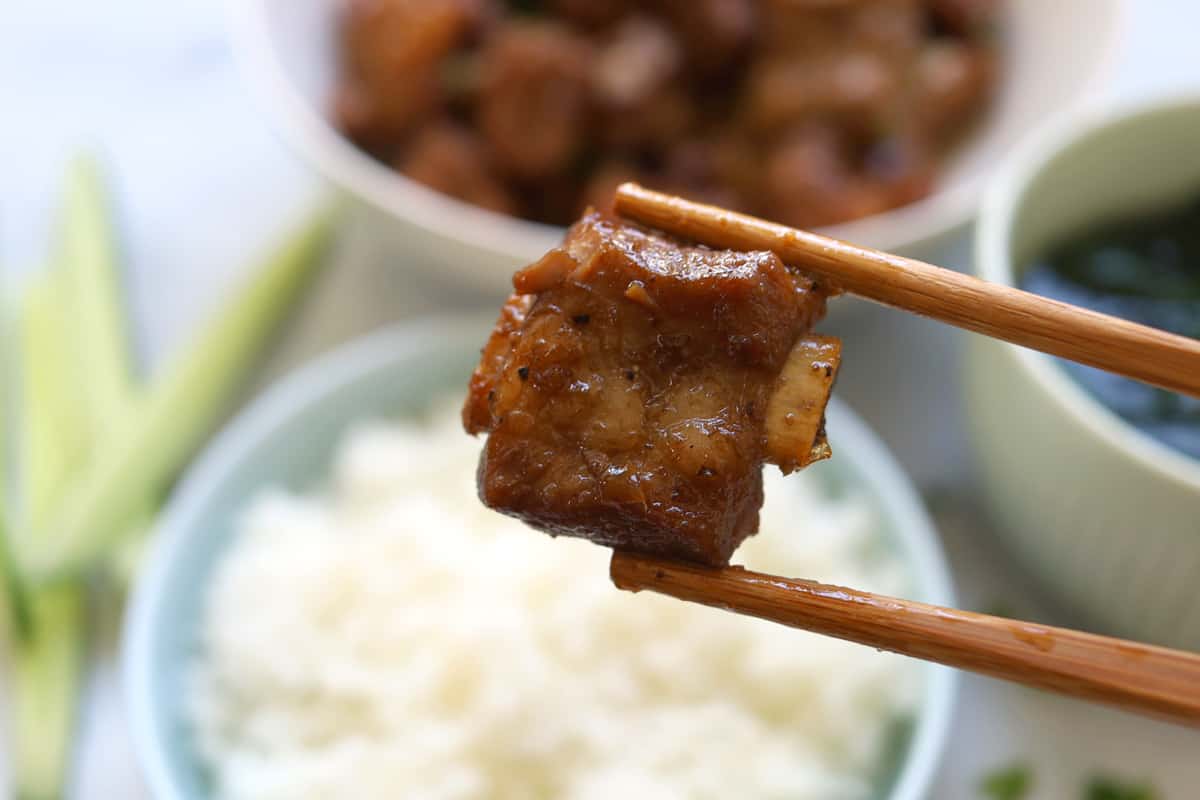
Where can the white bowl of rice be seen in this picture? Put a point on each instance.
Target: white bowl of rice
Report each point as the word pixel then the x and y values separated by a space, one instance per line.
pixel 330 612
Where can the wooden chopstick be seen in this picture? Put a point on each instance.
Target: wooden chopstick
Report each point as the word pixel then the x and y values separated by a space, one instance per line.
pixel 1060 329
pixel 1154 681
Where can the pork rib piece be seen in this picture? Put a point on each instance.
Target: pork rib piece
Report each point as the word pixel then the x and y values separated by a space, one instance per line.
pixel 633 389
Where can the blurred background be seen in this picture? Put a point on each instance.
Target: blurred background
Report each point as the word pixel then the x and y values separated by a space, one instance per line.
pixel 194 113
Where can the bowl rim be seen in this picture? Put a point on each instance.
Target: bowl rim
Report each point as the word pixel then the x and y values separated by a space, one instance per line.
pixel 1002 204
pixel 296 392
pixel 909 228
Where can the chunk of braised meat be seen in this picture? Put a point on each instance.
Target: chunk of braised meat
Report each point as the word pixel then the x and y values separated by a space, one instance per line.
pixel 590 13
pixel 392 57
pixel 600 190
pixel 965 17
pixel 809 180
pixel 633 389
pixel 792 26
pixel 635 83
pixel 714 33
pixel 699 169
pixel 901 166
pixel 707 170
pixel 894 29
pixel 891 28
pixel 737 162
pixel 554 199
pixel 856 88
pixel 952 80
pixel 534 102
pixel 451 159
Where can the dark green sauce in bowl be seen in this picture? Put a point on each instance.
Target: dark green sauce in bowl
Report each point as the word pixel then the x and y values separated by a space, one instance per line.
pixel 1146 269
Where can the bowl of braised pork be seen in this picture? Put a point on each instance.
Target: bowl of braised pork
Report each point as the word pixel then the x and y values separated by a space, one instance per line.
pixel 471 131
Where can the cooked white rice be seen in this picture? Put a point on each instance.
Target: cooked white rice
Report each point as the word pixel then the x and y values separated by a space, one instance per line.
pixel 392 638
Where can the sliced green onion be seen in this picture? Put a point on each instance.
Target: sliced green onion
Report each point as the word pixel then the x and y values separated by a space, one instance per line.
pixel 14 605
pixel 88 257
pixel 48 655
pixel 53 432
pixel 47 667
pixel 178 409
pixel 104 352
pixel 14 619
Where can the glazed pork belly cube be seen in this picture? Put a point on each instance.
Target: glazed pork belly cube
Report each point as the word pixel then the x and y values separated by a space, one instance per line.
pixel 633 388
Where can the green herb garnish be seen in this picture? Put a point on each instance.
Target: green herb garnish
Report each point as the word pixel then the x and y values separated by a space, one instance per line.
pixel 1007 783
pixel 1106 787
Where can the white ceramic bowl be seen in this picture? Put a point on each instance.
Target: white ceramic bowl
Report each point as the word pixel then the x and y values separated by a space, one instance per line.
pixel 1055 54
pixel 1106 516
pixel 287 438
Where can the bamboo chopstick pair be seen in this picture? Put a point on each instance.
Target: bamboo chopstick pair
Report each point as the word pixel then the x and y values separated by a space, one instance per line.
pixel 1151 680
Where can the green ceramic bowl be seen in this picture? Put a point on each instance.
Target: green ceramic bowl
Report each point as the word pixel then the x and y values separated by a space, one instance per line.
pixel 1106 517
pixel 288 437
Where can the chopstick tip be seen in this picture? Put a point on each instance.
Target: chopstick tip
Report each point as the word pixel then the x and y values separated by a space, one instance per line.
pixel 626 195
pixel 621 572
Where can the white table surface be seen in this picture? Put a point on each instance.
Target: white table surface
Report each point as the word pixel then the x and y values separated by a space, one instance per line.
pixel 202 185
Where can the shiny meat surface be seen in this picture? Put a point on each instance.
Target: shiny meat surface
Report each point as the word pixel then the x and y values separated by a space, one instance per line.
pixel 633 388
